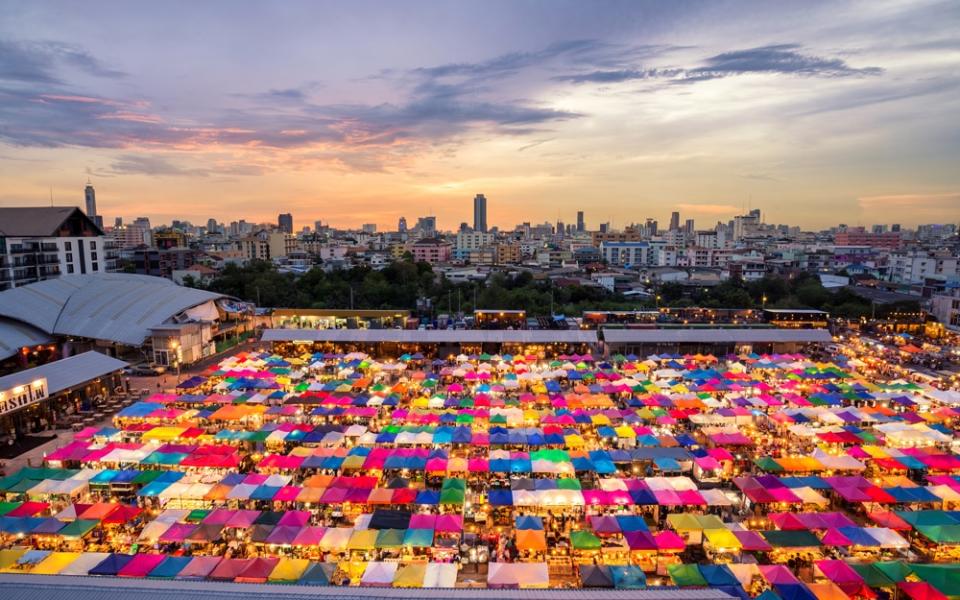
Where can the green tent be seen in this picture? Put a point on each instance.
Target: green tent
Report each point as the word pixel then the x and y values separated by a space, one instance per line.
pixel 919 518
pixel 686 575
pixel 584 540
pixel 6 507
pixel 145 477
pixel 791 539
pixel 390 538
pixel 945 578
pixel 196 515
pixel 873 576
pixel 895 570
pixel 78 528
pixel 568 483
pixel 941 534
pixel 768 464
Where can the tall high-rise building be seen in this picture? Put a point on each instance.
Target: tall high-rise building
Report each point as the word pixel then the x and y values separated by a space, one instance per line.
pixel 427 226
pixel 581 226
pixel 480 213
pixel 688 228
pixel 652 227
pixel 674 221
pixel 285 222
pixel 402 225
pixel 90 197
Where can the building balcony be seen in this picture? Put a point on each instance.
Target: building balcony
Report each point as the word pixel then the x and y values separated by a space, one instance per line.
pixel 23 248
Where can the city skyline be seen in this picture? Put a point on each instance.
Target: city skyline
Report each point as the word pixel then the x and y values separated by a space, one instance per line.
pixel 816 113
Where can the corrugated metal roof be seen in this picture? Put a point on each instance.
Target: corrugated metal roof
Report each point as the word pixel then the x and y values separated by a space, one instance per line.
pixel 66 373
pixel 34 221
pixel 715 335
pixel 433 336
pixel 119 307
pixel 55 587
pixel 15 335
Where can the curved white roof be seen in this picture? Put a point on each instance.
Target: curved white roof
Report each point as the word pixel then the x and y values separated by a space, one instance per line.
pixel 119 307
pixel 16 334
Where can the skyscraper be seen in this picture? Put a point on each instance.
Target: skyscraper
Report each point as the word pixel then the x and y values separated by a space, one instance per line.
pixel 480 213
pixel 674 221
pixel 285 222
pixel 402 225
pixel 581 226
pixel 689 227
pixel 90 196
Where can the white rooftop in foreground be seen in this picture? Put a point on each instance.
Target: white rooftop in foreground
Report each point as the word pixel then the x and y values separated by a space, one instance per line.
pixel 65 373
pixel 56 587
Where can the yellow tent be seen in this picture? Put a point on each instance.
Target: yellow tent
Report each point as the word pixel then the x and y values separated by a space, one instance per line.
pixel 289 569
pixel 9 556
pixel 410 575
pixel 54 563
pixel 163 433
pixel 363 539
pixel 722 538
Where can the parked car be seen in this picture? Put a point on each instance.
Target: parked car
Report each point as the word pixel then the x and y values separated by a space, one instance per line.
pixel 144 370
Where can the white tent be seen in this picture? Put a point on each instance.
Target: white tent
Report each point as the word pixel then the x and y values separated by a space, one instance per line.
pixel 379 574
pixel 440 575
pixel 84 563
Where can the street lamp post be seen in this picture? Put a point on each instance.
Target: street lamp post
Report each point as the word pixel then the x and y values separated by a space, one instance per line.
pixel 175 346
pixel 764 300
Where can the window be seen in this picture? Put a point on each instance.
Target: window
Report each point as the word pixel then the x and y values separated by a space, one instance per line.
pixel 95 267
pixel 69 268
pixel 93 245
pixel 68 246
pixel 93 256
pixel 69 257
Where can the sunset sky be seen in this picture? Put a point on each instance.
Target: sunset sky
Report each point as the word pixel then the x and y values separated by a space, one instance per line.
pixel 353 112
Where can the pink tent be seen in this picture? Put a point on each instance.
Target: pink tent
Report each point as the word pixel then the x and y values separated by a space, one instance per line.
pixel 449 523
pixel 668 540
pixel 845 577
pixel 778 574
pixel 199 567
pixel 295 517
pixel 140 565
pixel 177 532
pixel 309 536
pixel 423 521
pixel 243 519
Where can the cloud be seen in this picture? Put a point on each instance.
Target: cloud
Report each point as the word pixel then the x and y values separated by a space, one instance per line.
pixel 619 75
pixel 708 209
pixel 593 52
pixel 159 165
pixel 42 62
pixel 933 206
pixel 784 59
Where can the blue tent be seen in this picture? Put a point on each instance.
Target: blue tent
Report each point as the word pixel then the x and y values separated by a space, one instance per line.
pixel 170 567
pixel 111 565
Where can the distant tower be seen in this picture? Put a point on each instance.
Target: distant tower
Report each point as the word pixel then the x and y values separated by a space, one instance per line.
pixel 90 196
pixel 402 225
pixel 674 221
pixel 581 226
pixel 480 213
pixel 285 222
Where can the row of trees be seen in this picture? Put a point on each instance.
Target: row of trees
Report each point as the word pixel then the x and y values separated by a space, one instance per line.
pixel 401 284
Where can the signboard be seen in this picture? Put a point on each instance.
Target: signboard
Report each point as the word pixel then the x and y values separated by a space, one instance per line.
pixel 20 396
